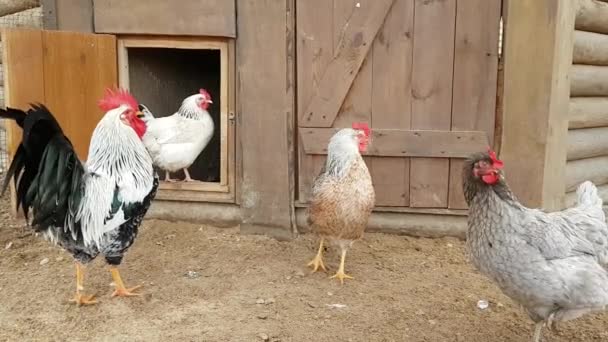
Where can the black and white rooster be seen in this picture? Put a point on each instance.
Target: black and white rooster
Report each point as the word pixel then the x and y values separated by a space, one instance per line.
pixel 88 209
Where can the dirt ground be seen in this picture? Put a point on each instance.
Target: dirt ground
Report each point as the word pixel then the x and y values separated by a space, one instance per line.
pixel 208 284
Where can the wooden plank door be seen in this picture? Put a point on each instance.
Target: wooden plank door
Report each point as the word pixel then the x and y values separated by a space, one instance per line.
pixel 66 71
pixel 421 73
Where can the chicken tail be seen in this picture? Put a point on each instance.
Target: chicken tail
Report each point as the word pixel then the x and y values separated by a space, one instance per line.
pixel 588 197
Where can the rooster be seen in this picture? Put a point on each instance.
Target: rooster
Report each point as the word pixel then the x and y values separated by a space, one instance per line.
pixel 342 195
pixel 175 141
pixel 88 209
pixel 553 264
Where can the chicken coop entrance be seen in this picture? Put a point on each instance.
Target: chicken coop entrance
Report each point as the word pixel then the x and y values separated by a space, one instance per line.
pixel 161 73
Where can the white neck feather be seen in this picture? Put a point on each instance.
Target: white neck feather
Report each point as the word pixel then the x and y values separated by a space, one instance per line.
pixel 115 148
pixel 191 110
pixel 342 151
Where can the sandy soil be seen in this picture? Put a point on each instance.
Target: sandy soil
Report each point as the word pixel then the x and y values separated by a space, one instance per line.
pixel 208 284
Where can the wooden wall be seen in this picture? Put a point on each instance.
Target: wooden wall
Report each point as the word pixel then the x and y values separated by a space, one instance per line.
pixel 422 74
pixel 588 112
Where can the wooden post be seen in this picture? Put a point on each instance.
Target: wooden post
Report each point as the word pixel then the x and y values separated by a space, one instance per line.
pixel 537 60
pixel 68 15
pixel 265 106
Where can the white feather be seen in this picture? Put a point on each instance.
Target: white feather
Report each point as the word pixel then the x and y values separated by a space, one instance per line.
pixel 117 157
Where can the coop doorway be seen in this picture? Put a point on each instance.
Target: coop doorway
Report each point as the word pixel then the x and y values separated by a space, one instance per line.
pixel 161 73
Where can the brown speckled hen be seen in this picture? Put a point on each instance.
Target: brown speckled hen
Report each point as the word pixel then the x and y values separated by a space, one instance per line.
pixel 342 195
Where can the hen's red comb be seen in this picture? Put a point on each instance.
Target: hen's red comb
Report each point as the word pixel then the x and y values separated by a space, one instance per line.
pixel 115 98
pixel 205 93
pixel 497 163
pixel 362 126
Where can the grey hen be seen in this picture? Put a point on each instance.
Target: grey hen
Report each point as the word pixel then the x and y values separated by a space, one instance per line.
pixel 553 264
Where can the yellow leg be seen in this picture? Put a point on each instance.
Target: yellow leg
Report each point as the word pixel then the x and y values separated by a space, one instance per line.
pixel 317 262
pixel 340 274
pixel 80 298
pixel 121 290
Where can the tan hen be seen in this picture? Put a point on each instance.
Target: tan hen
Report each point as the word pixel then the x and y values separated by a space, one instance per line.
pixel 342 195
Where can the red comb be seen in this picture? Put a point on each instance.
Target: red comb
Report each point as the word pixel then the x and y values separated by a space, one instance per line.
pixel 116 98
pixel 497 163
pixel 362 126
pixel 204 93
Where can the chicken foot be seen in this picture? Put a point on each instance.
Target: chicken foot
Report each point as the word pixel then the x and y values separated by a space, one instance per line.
pixel 188 178
pixel 79 298
pixel 121 290
pixel 340 274
pixel 317 262
pixel 168 177
pixel 538 329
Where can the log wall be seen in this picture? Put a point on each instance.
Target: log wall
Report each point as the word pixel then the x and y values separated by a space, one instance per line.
pixel 587 144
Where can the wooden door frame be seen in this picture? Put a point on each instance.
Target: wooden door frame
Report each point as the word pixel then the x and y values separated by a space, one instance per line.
pixel 535 98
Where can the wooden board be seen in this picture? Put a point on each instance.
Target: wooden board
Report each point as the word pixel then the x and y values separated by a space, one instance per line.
pixel 184 17
pixel 588 112
pixel 265 200
pixel 432 95
pixel 70 15
pixel 314 21
pixel 404 143
pixel 391 100
pixel 78 68
pixel 22 54
pixel 589 80
pixel 536 81
pixel 475 73
pixel 354 39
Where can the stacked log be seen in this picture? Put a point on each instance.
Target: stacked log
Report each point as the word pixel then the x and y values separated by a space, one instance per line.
pixel 588 118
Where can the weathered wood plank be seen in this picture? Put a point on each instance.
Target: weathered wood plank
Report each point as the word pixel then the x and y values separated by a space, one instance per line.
pixel 186 17
pixel 266 203
pixel 434 25
pixel 590 48
pixel 592 169
pixel 591 16
pixel 77 69
pixel 587 143
pixel 535 100
pixel 475 74
pixel 22 54
pixel 588 112
pixel 75 15
pixel 315 50
pixel 404 143
pixel 13 6
pixel 588 80
pixel 355 42
pixel 392 100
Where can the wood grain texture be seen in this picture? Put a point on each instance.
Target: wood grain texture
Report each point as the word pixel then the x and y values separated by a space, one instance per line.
pixel 186 17
pixel 74 15
pixel 591 169
pixel 590 48
pixel 22 54
pixel 314 46
pixel 404 143
pixel 587 143
pixel 536 81
pixel 591 16
pixel 588 80
pixel 475 77
pixel 13 6
pixel 355 41
pixel 391 100
pixel 434 25
pixel 266 204
pixel 77 69
pixel 588 112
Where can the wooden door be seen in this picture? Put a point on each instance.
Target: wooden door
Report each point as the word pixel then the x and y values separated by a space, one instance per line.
pixel 421 73
pixel 66 71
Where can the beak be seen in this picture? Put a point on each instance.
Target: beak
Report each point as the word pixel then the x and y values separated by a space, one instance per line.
pixel 209 101
pixel 139 114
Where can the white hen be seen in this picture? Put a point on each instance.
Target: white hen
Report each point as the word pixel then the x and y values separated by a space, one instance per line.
pixel 174 142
